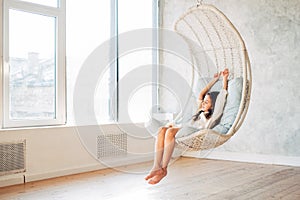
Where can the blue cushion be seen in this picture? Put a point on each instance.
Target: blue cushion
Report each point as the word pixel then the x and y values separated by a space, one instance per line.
pixel 232 105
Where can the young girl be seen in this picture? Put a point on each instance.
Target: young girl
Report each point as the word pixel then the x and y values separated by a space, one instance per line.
pixel 206 117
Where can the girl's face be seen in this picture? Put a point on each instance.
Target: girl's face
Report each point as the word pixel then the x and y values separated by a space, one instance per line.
pixel 206 104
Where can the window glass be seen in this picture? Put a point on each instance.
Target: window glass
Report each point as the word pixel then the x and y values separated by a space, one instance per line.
pixel 139 105
pixel 85 33
pixel 32 62
pixel 140 99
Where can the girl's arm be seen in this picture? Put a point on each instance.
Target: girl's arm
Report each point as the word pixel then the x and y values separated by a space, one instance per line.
pixel 225 74
pixel 220 101
pixel 209 85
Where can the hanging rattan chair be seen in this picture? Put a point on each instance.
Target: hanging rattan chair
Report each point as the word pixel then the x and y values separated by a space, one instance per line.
pixel 208 27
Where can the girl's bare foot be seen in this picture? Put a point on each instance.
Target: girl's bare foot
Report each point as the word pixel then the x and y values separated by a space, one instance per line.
pixel 157 178
pixel 153 173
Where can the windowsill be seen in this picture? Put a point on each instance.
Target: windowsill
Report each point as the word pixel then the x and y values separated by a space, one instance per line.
pixel 65 126
pixel 158 116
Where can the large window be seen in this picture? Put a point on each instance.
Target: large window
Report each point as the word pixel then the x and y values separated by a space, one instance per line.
pixel 38 36
pixel 34 63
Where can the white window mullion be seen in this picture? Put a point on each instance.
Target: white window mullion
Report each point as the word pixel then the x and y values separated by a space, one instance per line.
pixel 5 68
pixel 61 61
pixel 1 64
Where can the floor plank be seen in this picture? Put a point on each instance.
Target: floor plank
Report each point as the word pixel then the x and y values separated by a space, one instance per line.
pixel 188 178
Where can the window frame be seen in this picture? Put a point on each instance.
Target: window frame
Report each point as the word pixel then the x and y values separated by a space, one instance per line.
pixel 60 69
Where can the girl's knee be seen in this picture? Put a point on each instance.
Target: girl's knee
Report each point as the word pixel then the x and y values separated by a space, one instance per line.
pixel 162 131
pixel 171 132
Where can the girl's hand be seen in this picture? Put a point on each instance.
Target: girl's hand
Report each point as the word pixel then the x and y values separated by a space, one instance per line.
pixel 217 75
pixel 225 73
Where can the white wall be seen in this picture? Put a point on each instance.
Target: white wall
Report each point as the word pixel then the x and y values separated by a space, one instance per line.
pixel 59 151
pixel 271 31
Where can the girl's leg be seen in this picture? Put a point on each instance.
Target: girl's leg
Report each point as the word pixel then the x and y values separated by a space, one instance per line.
pixel 169 145
pixel 159 150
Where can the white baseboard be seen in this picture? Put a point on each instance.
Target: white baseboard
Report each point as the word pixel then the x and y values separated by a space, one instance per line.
pixel 245 157
pixel 109 163
pixel 13 179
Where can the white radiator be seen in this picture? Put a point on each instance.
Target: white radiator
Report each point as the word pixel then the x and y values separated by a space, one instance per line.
pixel 12 157
pixel 112 144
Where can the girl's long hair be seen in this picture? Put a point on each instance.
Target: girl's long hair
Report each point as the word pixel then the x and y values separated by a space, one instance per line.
pixel 207 115
pixel 197 115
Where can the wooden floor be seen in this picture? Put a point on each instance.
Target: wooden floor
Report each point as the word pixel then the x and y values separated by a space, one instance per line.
pixel 188 178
